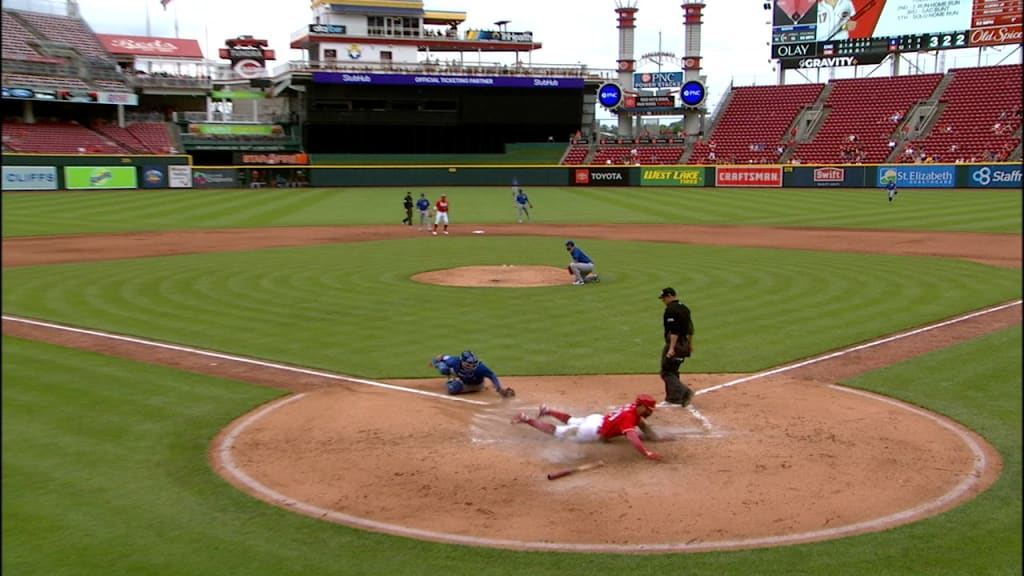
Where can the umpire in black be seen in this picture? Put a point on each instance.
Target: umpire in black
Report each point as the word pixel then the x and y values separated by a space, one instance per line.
pixel 678 345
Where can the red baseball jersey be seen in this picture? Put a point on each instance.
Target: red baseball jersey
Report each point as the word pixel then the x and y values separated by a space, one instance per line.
pixel 618 422
pixel 441 205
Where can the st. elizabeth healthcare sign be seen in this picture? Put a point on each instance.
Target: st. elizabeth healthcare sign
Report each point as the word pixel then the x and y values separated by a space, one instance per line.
pixel 917 176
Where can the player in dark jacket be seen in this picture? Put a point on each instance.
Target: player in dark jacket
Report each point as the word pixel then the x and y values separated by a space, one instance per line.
pixel 678 326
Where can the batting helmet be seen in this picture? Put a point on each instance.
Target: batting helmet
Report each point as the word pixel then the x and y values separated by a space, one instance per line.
pixel 646 400
pixel 469 359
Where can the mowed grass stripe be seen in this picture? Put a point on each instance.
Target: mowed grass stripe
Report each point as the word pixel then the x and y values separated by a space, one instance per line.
pixel 349 307
pixel 50 213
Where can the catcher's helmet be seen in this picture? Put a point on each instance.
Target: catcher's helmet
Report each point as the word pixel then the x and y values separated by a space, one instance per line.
pixel 469 359
pixel 646 400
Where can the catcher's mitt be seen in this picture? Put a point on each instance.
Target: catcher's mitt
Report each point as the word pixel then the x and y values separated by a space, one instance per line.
pixel 507 393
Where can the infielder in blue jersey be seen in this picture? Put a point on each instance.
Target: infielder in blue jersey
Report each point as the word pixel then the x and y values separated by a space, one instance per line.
pixel 582 267
pixel 522 203
pixel 466 373
pixel 423 206
pixel 891 188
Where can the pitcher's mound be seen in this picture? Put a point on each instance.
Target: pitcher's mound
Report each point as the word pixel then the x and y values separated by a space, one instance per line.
pixel 504 276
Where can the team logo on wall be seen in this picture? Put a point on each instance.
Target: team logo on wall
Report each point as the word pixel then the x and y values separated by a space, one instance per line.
pixel 249 68
pixel 355 52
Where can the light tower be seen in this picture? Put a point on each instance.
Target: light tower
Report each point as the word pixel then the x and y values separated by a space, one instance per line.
pixel 626 10
pixel 692 21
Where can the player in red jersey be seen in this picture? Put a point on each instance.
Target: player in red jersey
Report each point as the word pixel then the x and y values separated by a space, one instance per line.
pixel 441 216
pixel 621 422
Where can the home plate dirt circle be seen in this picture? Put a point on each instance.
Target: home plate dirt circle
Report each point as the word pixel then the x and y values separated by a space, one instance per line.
pixel 770 461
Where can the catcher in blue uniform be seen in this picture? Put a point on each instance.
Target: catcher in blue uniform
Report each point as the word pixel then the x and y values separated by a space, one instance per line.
pixel 466 373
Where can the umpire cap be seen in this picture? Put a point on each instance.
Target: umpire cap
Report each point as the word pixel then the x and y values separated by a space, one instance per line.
pixel 668 291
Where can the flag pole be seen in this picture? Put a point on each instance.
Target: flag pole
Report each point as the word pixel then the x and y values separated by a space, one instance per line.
pixel 148 34
pixel 176 20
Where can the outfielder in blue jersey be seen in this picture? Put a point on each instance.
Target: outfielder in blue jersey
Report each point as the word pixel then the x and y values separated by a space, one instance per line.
pixel 523 204
pixel 466 373
pixel 891 188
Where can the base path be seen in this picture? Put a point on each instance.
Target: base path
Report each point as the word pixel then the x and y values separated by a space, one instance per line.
pixel 760 460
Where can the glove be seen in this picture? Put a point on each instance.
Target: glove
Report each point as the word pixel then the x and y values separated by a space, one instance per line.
pixel 507 392
pixel 569 268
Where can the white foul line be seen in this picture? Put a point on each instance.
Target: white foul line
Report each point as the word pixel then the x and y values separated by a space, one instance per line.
pixel 865 346
pixel 239 359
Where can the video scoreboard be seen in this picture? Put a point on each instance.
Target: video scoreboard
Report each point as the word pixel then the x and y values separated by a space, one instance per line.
pixel 816 33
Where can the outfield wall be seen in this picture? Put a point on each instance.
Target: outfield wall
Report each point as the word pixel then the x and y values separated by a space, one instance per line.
pixel 38 172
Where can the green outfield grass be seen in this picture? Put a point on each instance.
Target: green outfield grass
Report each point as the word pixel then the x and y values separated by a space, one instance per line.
pixel 28 214
pixel 104 460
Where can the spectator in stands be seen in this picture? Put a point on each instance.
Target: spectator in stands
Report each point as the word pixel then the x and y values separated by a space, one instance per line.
pixel 896 117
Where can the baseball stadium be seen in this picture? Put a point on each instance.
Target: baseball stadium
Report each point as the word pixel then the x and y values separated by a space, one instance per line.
pixel 245 296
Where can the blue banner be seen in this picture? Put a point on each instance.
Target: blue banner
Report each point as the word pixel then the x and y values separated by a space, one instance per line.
pixel 441 80
pixel 917 176
pixel 990 176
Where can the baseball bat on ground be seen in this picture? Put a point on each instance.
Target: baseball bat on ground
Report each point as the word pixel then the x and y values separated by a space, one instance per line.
pixel 575 469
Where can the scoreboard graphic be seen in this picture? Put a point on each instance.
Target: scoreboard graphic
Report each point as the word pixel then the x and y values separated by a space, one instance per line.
pixel 815 33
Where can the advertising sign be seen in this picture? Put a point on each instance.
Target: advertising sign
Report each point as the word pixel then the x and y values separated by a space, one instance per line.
pixel 994 176
pixel 179 176
pixel 631 101
pixel 327 28
pixel 237 129
pixel 123 98
pixel 30 178
pixel 215 178
pixel 657 79
pixel 748 176
pixel 917 176
pixel 272 158
pixel 825 176
pixel 599 176
pixel 154 177
pixel 122 45
pixel 427 80
pixel 672 177
pixel 100 177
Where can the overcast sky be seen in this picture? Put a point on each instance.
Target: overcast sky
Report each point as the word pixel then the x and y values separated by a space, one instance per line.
pixel 734 39
pixel 572 31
